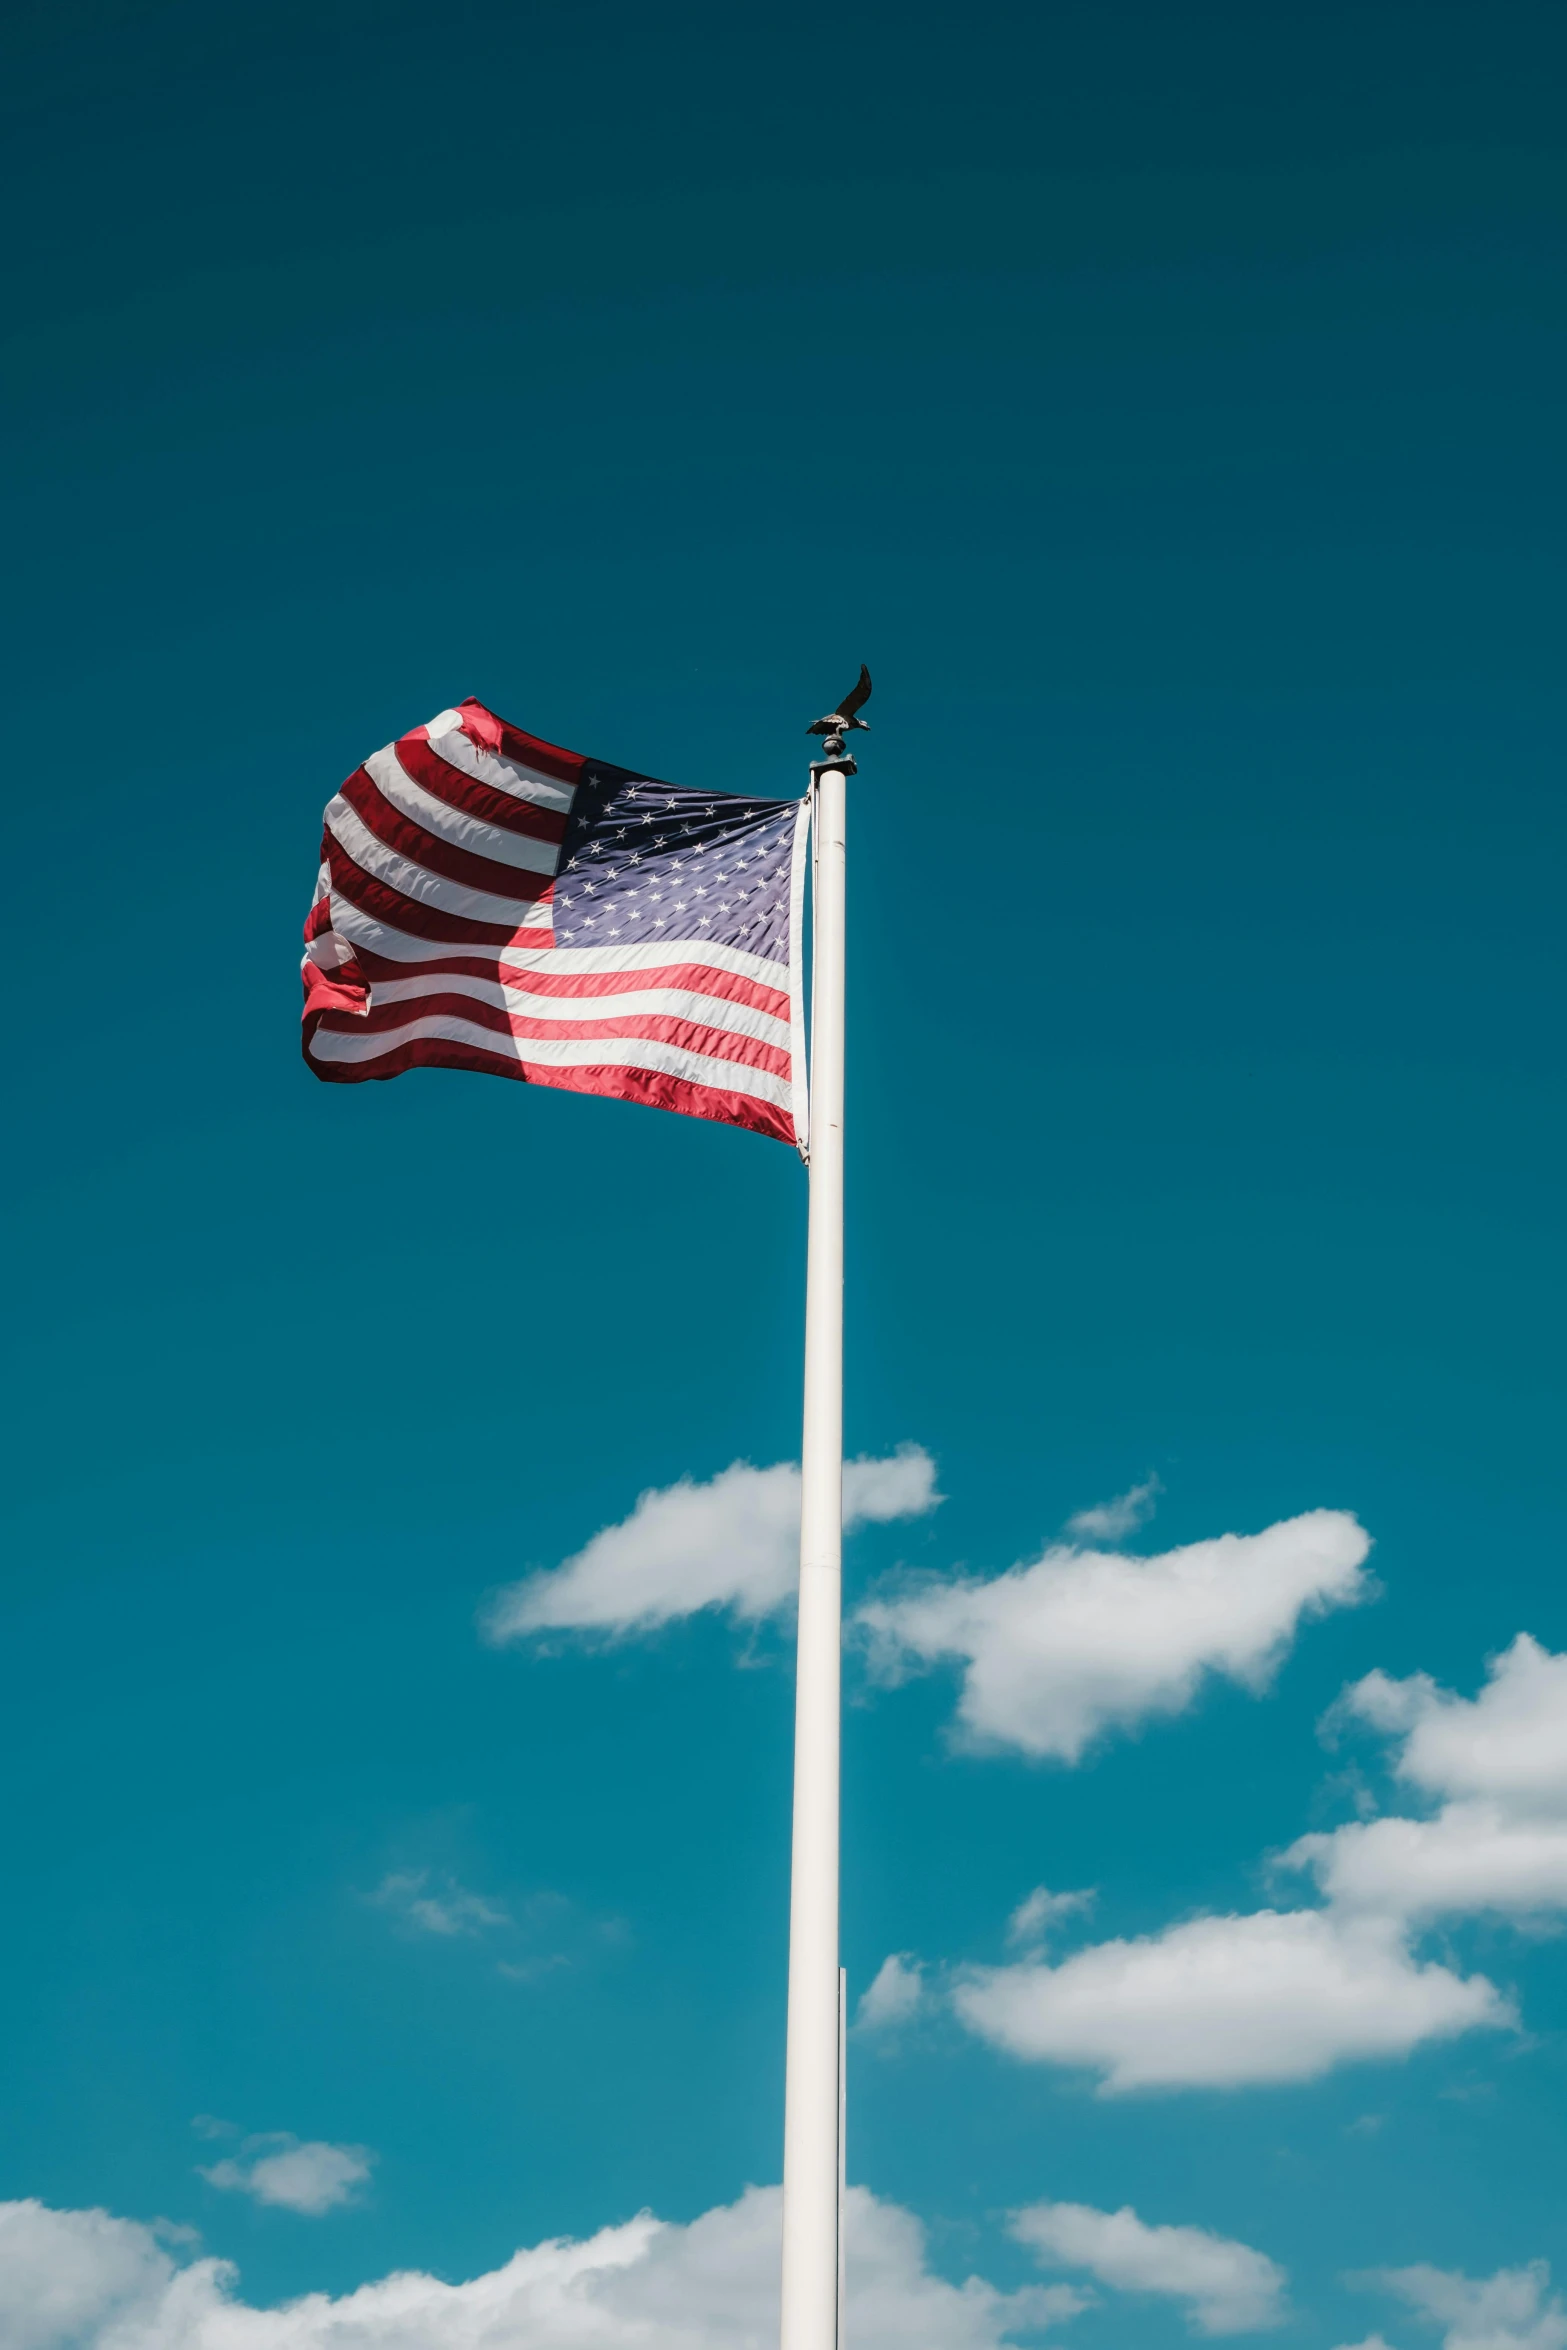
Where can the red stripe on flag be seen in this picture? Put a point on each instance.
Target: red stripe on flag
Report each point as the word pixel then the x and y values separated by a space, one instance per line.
pixel 730 987
pixel 501 808
pixel 410 840
pixel 334 992
pixel 690 1035
pixel 649 1086
pixel 481 726
pixel 388 905
pixel 696 978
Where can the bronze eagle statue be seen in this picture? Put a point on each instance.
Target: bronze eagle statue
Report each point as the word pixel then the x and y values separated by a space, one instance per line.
pixel 846 715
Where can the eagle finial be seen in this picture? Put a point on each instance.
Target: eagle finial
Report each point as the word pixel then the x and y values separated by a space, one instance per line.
pixel 838 722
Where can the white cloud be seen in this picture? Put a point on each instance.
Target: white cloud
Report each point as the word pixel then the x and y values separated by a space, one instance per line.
pixel 443 1907
pixel 1472 1856
pixel 69 2277
pixel 306 2176
pixel 1221 2001
pixel 1081 1642
pixel 1112 1521
pixel 82 2281
pixel 731 1543
pixel 1508 1744
pixel 1512 2310
pixel 1286 1994
pixel 1230 2289
pixel 1499 1841
pixel 1031 1921
pixel 895 1996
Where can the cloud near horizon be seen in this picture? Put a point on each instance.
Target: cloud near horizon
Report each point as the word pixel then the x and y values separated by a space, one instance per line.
pixel 730 1543
pixel 1512 2310
pixel 88 2280
pixel 84 2280
pixel 1056 1654
pixel 1228 2288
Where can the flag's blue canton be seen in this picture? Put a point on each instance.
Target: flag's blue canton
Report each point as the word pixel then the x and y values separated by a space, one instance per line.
pixel 641 861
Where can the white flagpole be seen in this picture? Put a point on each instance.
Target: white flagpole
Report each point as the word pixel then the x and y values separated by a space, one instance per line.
pixel 843 2143
pixel 811 2071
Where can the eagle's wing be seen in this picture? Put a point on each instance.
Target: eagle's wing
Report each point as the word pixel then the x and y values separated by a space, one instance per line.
pixel 859 692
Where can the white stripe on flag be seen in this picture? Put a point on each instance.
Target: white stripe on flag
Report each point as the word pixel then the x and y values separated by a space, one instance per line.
pixel 619 1052
pixel 675 1003
pixel 373 856
pixel 401 946
pixel 648 955
pixel 394 783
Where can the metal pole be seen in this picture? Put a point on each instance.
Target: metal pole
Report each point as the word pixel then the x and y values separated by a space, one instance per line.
pixel 843 2146
pixel 811 2072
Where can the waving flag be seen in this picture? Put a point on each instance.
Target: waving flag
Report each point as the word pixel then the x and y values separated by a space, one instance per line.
pixel 487 901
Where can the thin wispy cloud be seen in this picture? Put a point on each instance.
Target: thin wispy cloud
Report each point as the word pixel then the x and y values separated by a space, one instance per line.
pixel 1036 1917
pixel 895 1995
pixel 438 1905
pixel 1112 1521
pixel 526 1938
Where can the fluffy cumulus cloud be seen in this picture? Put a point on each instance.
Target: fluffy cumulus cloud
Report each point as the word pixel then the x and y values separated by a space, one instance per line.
pixel 75 2280
pixel 1085 1641
pixel 79 2280
pixel 1284 1994
pixel 308 2175
pixel 1277 1995
pixel 1512 2310
pixel 1472 1856
pixel 1508 1744
pixel 1227 2287
pixel 1494 1765
pixel 731 1543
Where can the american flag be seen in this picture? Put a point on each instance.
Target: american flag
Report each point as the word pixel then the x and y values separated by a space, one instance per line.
pixel 488 901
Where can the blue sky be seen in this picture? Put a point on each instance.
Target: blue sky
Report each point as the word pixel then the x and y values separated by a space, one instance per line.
pixel 1166 403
